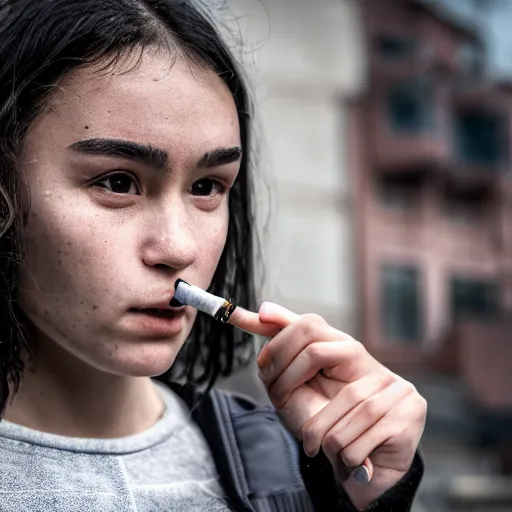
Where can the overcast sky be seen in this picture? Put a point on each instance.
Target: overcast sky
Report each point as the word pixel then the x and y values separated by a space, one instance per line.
pixel 496 25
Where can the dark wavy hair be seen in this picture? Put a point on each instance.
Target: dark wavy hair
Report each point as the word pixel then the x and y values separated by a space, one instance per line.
pixel 40 42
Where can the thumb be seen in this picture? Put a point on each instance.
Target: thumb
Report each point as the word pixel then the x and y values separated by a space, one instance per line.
pixel 272 313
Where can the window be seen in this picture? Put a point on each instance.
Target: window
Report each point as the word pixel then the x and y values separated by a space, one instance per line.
pixel 396 47
pixel 464 209
pixel 401 304
pixel 411 106
pixel 474 299
pixel 471 57
pixel 480 138
pixel 397 193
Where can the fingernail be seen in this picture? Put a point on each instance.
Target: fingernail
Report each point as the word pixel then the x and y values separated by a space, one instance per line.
pixel 267 307
pixel 361 474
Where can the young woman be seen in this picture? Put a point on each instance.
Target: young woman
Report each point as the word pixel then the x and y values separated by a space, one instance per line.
pixel 125 165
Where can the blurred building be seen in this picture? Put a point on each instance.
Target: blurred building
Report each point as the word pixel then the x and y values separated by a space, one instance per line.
pixel 430 148
pixel 387 155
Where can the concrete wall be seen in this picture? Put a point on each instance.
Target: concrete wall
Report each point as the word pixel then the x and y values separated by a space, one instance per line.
pixel 305 59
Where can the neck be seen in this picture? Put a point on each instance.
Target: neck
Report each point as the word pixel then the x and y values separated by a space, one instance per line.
pixel 62 395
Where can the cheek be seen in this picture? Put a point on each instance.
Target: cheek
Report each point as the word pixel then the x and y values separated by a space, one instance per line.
pixel 56 251
pixel 211 241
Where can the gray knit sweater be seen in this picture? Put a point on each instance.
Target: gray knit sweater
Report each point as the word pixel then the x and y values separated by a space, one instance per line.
pixel 166 468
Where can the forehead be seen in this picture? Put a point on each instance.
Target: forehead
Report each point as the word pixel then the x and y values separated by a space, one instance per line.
pixel 159 100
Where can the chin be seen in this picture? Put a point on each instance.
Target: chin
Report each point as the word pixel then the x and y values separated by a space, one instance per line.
pixel 145 360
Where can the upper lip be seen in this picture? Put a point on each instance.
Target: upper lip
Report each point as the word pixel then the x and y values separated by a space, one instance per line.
pixel 160 305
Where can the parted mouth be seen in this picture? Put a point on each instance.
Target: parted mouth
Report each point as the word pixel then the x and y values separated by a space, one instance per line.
pixel 161 312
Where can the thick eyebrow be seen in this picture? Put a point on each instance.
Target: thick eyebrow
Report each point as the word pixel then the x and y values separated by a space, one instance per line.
pixel 145 153
pixel 220 156
pixel 130 150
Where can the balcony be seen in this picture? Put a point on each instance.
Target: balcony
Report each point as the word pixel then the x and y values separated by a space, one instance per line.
pixel 411 154
pixel 480 149
pixel 407 134
pixel 470 93
pixel 479 354
pixel 419 63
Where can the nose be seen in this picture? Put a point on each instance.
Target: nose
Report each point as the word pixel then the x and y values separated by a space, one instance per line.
pixel 169 238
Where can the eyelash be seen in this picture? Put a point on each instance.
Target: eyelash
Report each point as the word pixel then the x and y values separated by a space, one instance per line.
pixel 216 183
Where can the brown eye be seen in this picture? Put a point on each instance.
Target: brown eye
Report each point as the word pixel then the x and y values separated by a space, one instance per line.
pixel 119 183
pixel 206 187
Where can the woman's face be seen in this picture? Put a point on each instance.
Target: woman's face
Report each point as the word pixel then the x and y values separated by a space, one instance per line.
pixel 128 175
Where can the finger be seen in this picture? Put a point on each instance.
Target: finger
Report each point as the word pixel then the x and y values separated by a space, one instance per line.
pixel 308 362
pixel 286 345
pixel 353 394
pixel 276 315
pixel 250 322
pixel 362 473
pixel 363 418
pixel 272 313
pixel 383 432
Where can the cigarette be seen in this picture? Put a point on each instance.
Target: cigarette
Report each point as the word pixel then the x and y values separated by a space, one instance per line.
pixel 190 295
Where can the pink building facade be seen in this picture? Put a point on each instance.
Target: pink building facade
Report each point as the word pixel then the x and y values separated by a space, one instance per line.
pixel 431 164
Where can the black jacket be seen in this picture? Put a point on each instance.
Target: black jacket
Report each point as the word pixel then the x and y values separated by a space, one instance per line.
pixel 262 468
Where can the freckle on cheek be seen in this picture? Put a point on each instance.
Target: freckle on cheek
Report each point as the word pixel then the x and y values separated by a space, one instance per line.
pixel 95 307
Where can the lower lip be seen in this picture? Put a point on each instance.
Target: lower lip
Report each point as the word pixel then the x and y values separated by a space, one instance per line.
pixel 160 325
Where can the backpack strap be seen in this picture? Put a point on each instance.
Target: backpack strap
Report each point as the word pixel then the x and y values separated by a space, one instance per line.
pixel 268 453
pixel 256 457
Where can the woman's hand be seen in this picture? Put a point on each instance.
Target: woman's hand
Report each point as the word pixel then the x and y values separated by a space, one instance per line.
pixel 333 395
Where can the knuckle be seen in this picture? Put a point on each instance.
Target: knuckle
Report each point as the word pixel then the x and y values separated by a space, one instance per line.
pixel 407 387
pixel 309 434
pixel 312 351
pixel 411 388
pixel 314 319
pixel 310 326
pixel 371 409
pixel 386 378
pixel 422 405
pixel 381 380
pixel 356 347
pixel 354 393
pixel 350 457
pixel 331 443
